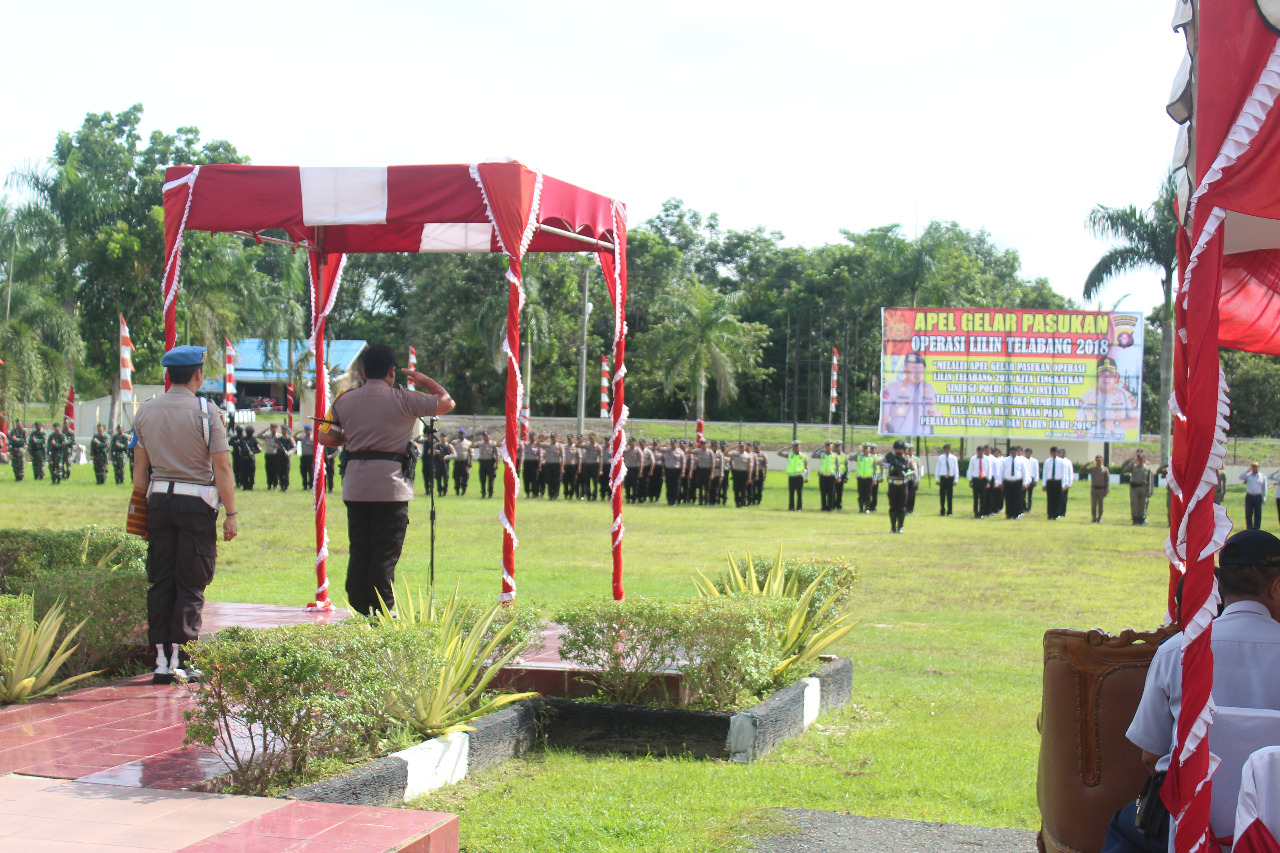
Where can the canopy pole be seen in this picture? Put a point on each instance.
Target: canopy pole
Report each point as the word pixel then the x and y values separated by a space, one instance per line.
pixel 292 244
pixel 560 232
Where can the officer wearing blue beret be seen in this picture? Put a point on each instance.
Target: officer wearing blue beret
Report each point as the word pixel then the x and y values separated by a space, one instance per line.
pixel 182 477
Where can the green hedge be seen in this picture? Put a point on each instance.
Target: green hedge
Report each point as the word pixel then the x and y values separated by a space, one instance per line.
pixel 100 575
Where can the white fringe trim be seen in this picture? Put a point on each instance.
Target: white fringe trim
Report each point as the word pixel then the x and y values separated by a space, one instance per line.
pixel 175 259
pixel 531 227
pixel 488 208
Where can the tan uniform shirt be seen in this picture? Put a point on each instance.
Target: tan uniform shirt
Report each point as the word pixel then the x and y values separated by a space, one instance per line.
pixel 376 416
pixel 171 428
pixel 632 457
pixel 485 450
pixel 1099 477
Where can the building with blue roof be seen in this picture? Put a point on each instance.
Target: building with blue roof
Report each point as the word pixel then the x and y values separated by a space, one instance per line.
pixel 261 373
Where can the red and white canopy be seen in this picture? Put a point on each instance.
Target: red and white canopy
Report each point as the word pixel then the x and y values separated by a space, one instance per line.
pixel 484 207
pixel 1228 170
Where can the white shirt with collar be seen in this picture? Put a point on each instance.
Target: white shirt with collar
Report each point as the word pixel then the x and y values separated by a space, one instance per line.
pixel 946 466
pixel 974 467
pixel 1245 642
pixel 1254 484
pixel 1033 468
pixel 1013 468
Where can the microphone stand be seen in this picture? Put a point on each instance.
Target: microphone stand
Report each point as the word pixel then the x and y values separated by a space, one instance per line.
pixel 429 430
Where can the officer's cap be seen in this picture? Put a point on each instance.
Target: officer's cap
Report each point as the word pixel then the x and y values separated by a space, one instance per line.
pixel 796 441
pixel 1250 548
pixel 184 356
pixel 914 358
pixel 308 426
pixel 755 444
pixel 899 445
pixel 1107 364
pixel 464 432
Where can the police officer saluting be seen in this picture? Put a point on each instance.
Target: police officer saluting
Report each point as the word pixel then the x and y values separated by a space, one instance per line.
pixel 182 475
pixel 898 472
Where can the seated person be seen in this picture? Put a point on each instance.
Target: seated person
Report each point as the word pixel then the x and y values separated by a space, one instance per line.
pixel 1245 641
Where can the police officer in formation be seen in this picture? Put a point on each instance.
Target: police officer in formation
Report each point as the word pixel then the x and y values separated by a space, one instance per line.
pixel 797 473
pixel 898 473
pixel 17 442
pixel 1141 480
pixel 284 449
pixel 945 470
pixel 119 450
pixel 459 452
pixel 37 447
pixel 486 456
pixel 307 456
pixel 99 446
pixel 56 449
pixel 269 463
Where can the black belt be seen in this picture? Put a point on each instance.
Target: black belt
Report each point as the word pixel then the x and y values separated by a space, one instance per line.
pixel 1053 481
pixel 1137 485
pixel 376 454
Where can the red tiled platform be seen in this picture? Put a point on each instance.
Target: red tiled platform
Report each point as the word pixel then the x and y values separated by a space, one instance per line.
pixel 50 816
pixel 219 615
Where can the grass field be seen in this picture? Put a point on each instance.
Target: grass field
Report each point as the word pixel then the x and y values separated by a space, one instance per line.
pixel 947 657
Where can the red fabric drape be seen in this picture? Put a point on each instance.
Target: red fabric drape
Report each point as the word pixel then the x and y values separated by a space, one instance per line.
pixel 614 266
pixel 324 271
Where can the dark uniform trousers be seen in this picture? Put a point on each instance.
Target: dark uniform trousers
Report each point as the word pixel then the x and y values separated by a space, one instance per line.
pixel 629 485
pixel 488 471
pixel 897 504
pixel 673 485
pixel 182 545
pixel 1252 511
pixel 551 480
pixel 979 487
pixel 827 492
pixel 946 491
pixel 19 464
pixel 875 495
pixel 795 492
pixel 529 474
pixel 701 485
pixel 461 473
pixel 590 487
pixel 840 492
pixel 911 496
pixel 739 487
pixel 376 532
pixel 306 470
pixel 1012 498
pixel 655 483
pixel 1053 498
pixel 117 467
pixel 864 493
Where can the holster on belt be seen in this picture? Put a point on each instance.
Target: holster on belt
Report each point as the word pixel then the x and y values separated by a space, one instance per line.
pixel 136 522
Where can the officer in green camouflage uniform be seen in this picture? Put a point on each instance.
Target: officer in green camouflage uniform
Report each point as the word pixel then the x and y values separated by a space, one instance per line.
pixel 54 447
pixel 37 448
pixel 98 446
pixel 68 449
pixel 119 450
pixel 17 441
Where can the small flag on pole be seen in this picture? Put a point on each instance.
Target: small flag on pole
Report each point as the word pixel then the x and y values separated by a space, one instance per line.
pixel 229 389
pixel 126 363
pixel 288 405
pixel 69 413
pixel 604 386
pixel 700 428
pixel 413 359
pixel 835 372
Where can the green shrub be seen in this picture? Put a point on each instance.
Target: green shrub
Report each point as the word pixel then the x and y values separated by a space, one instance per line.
pixel 15 613
pixel 104 587
pixel 841 578
pixel 22 552
pixel 731 645
pixel 424 608
pixel 725 647
pixel 272 700
pixel 628 643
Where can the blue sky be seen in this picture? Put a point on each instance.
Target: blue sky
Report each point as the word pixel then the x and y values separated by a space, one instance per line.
pixel 807 118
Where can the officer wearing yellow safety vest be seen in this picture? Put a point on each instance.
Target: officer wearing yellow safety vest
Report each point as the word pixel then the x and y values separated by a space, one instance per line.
pixel 827 469
pixel 797 470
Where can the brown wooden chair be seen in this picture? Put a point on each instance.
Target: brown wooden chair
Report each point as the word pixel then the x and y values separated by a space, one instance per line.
pixel 1088 768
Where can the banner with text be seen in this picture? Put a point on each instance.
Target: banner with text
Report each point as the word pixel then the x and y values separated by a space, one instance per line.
pixel 1011 374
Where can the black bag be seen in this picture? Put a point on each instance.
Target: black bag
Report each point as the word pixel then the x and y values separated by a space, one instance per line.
pixel 1152 816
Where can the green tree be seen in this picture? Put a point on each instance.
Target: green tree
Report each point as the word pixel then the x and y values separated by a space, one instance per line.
pixel 1145 240
pixel 701 340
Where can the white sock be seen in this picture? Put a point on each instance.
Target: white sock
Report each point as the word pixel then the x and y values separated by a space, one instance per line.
pixel 174 664
pixel 162 662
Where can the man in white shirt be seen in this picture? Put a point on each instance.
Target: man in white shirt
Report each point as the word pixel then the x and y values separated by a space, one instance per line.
pixel 1255 492
pixel 945 471
pixel 1057 473
pixel 1014 472
pixel 979 474
pixel 1245 642
pixel 1033 472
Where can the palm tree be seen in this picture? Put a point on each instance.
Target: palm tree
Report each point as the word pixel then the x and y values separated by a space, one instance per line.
pixel 37 342
pixel 701 338
pixel 1145 239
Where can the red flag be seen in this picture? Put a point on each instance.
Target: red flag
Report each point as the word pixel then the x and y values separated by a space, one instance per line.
pixel 288 405
pixel 69 413
pixel 126 363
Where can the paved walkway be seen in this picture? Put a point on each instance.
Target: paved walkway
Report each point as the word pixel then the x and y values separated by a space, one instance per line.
pixel 104 769
pixel 832 832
